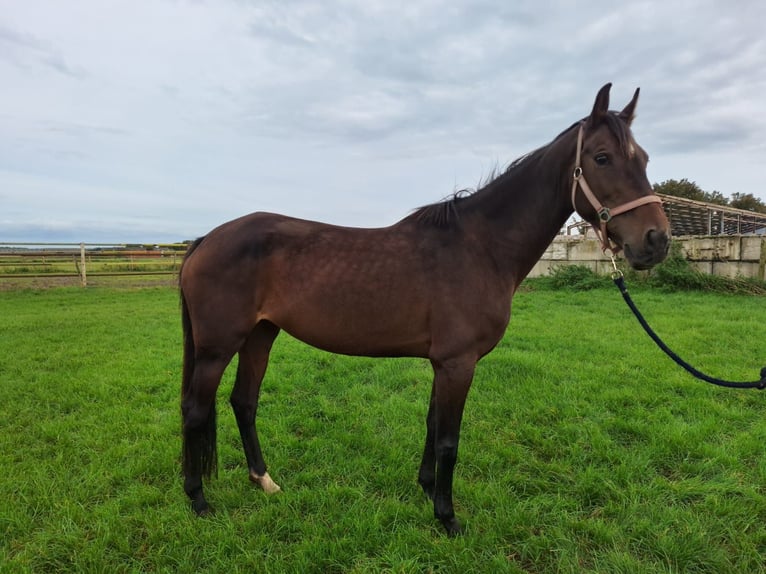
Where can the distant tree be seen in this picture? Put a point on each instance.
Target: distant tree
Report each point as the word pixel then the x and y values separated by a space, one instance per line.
pixel 716 197
pixel 747 201
pixel 680 188
pixel 689 190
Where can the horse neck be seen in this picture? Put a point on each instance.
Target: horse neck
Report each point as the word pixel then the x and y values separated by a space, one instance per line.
pixel 519 213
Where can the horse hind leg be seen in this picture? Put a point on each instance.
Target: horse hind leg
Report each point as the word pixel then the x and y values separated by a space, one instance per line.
pixel 199 427
pixel 253 360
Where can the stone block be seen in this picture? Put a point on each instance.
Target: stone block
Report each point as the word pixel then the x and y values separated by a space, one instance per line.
pixel 751 248
pixel 711 248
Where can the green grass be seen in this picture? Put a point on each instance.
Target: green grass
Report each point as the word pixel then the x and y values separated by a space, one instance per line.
pixel 583 449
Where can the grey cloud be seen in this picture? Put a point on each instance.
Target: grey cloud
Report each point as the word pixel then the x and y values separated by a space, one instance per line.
pixel 708 135
pixel 23 49
pixel 80 130
pixel 56 63
pixel 10 37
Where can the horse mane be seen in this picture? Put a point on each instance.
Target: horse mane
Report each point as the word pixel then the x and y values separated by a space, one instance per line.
pixel 440 214
pixel 445 214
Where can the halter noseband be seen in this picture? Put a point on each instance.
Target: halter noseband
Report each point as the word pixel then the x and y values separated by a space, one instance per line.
pixel 605 214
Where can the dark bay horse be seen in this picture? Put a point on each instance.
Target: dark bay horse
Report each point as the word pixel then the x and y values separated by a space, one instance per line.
pixel 438 284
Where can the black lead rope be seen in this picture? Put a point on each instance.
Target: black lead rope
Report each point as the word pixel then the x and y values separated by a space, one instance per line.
pixel 620 282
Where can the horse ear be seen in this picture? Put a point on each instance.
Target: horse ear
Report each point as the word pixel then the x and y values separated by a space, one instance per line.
pixel 629 112
pixel 601 106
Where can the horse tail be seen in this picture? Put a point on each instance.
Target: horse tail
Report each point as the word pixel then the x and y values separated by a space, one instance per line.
pixel 199 451
pixel 186 325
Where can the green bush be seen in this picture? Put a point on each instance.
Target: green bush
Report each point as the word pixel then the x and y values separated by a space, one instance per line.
pixel 677 274
pixel 575 277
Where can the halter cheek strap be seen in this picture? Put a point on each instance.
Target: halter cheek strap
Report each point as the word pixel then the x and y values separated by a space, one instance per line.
pixel 605 214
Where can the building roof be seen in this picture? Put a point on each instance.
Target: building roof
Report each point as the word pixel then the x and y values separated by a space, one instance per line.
pixel 690 217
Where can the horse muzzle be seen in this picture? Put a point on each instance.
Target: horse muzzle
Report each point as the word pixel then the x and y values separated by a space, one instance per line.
pixel 652 251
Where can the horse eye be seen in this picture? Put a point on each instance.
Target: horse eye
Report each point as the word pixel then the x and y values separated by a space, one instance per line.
pixel 601 159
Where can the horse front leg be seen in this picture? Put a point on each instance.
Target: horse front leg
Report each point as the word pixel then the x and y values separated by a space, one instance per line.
pixel 452 379
pixel 427 473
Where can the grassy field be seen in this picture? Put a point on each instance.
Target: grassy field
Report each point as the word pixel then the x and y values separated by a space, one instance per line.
pixel 583 449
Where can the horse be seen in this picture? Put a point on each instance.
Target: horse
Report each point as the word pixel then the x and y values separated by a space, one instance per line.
pixel 438 284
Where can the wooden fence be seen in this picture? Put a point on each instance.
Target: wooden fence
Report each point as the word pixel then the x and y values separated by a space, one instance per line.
pixel 84 260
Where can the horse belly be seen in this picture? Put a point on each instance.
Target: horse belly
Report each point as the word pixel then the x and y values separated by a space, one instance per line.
pixel 354 325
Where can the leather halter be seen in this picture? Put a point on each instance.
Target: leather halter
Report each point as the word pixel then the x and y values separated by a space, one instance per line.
pixel 605 214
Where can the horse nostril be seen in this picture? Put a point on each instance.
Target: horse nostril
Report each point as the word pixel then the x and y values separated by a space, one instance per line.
pixel 657 241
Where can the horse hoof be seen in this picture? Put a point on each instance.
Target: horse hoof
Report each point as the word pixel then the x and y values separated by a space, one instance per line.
pixel 452 526
pixel 201 508
pixel 265 482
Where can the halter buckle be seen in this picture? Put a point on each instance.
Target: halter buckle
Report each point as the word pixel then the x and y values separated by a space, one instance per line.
pixel 577 173
pixel 604 215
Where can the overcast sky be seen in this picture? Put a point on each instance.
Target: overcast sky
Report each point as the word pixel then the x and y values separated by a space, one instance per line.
pixel 156 120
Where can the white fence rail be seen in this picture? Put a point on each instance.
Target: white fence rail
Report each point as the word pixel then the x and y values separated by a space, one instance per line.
pixel 81 260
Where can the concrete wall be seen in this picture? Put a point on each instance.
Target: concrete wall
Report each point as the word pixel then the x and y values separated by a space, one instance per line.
pixel 726 255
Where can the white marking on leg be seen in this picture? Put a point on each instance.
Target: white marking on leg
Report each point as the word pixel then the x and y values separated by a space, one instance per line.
pixel 265 482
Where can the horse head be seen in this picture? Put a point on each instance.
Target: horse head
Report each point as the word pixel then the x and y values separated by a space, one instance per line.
pixel 610 189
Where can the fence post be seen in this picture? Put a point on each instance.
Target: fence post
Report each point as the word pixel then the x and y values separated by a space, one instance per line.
pixel 762 262
pixel 83 274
